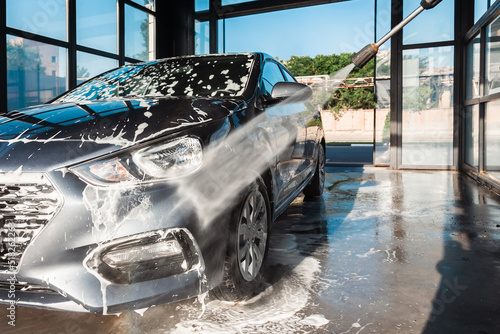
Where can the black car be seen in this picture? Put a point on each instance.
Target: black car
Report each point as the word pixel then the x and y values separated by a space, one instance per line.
pixel 153 183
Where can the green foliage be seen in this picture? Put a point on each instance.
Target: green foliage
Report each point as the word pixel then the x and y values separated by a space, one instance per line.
pixel 315 122
pixel 300 65
pixel 384 70
pixel 386 131
pixel 326 65
pixel 425 95
pixel 351 98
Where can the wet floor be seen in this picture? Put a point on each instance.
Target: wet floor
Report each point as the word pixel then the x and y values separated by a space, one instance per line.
pixel 382 252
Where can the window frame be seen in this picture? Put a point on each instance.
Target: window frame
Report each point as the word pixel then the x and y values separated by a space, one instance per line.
pixel 480 27
pixel 70 44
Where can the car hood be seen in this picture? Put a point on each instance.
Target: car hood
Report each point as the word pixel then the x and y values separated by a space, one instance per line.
pixel 56 135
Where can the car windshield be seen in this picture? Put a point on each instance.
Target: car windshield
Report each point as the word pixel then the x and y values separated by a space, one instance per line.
pixel 209 76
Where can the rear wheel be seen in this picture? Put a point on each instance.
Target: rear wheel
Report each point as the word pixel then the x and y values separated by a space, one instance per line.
pixel 315 187
pixel 247 245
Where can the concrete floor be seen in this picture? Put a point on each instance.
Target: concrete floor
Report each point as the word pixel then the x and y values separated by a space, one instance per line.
pixel 382 252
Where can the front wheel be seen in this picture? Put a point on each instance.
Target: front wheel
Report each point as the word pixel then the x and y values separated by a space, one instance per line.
pixel 317 184
pixel 247 245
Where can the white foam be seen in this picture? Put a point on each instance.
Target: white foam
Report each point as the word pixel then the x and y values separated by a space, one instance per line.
pixel 141 311
pixel 316 320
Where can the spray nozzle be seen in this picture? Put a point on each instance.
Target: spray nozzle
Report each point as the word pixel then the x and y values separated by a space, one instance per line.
pixel 428 4
pixel 364 55
pixel 368 52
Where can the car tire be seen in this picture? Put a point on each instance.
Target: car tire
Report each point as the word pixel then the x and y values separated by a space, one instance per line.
pixel 247 245
pixel 317 184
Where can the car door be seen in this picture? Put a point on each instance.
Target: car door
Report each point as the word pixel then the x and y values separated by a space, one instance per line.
pixel 285 123
pixel 311 118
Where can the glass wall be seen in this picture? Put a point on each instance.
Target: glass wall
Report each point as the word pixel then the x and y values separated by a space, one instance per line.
pixel 492 84
pixel 492 109
pixel 492 138
pixel 382 85
pixel 90 65
pixel 480 7
pixel 482 113
pixel 433 25
pixel 472 136
pixel 139 26
pixel 42 59
pixel 233 2
pixel 201 5
pixel 382 123
pixel 45 18
pixel 427 120
pixel 472 70
pixel 148 3
pixel 426 128
pixel 36 72
pixel 97 24
pixel 201 37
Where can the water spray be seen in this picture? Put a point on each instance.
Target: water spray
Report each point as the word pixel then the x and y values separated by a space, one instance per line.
pixel 363 56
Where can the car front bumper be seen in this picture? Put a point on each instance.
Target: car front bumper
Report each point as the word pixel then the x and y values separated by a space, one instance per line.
pixel 54 270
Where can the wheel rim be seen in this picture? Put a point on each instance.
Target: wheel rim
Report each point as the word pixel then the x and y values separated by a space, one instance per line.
pixel 252 235
pixel 321 167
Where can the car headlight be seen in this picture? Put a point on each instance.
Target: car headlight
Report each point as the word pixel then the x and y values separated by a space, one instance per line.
pixel 145 257
pixel 162 161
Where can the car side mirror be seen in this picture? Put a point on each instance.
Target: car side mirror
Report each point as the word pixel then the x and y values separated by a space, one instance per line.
pixel 290 92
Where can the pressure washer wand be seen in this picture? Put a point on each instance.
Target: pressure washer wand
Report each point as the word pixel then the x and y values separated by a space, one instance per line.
pixel 368 52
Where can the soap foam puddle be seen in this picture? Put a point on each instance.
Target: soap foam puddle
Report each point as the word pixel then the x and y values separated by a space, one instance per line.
pixel 277 309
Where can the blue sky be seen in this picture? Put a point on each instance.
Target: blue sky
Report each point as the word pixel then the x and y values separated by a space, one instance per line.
pixel 325 29
pixel 332 28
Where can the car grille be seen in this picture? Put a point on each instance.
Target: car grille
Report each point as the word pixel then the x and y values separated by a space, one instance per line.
pixel 27 203
pixel 25 287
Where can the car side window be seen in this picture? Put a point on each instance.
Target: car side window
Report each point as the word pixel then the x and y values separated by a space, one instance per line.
pixel 270 76
pixel 288 76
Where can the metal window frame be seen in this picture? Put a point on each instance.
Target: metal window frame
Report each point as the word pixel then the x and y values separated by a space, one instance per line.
pixel 375 91
pixel 480 174
pixel 491 14
pixel 397 48
pixel 396 86
pixel 70 44
pixel 400 164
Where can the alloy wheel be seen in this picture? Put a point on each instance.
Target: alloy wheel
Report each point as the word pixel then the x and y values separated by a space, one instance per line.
pixel 252 235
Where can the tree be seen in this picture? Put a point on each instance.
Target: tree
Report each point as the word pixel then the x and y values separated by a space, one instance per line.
pixel 419 98
pixel 326 65
pixel 300 65
pixel 351 98
pixel 82 72
pixel 340 99
pixel 21 58
pixel 144 55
